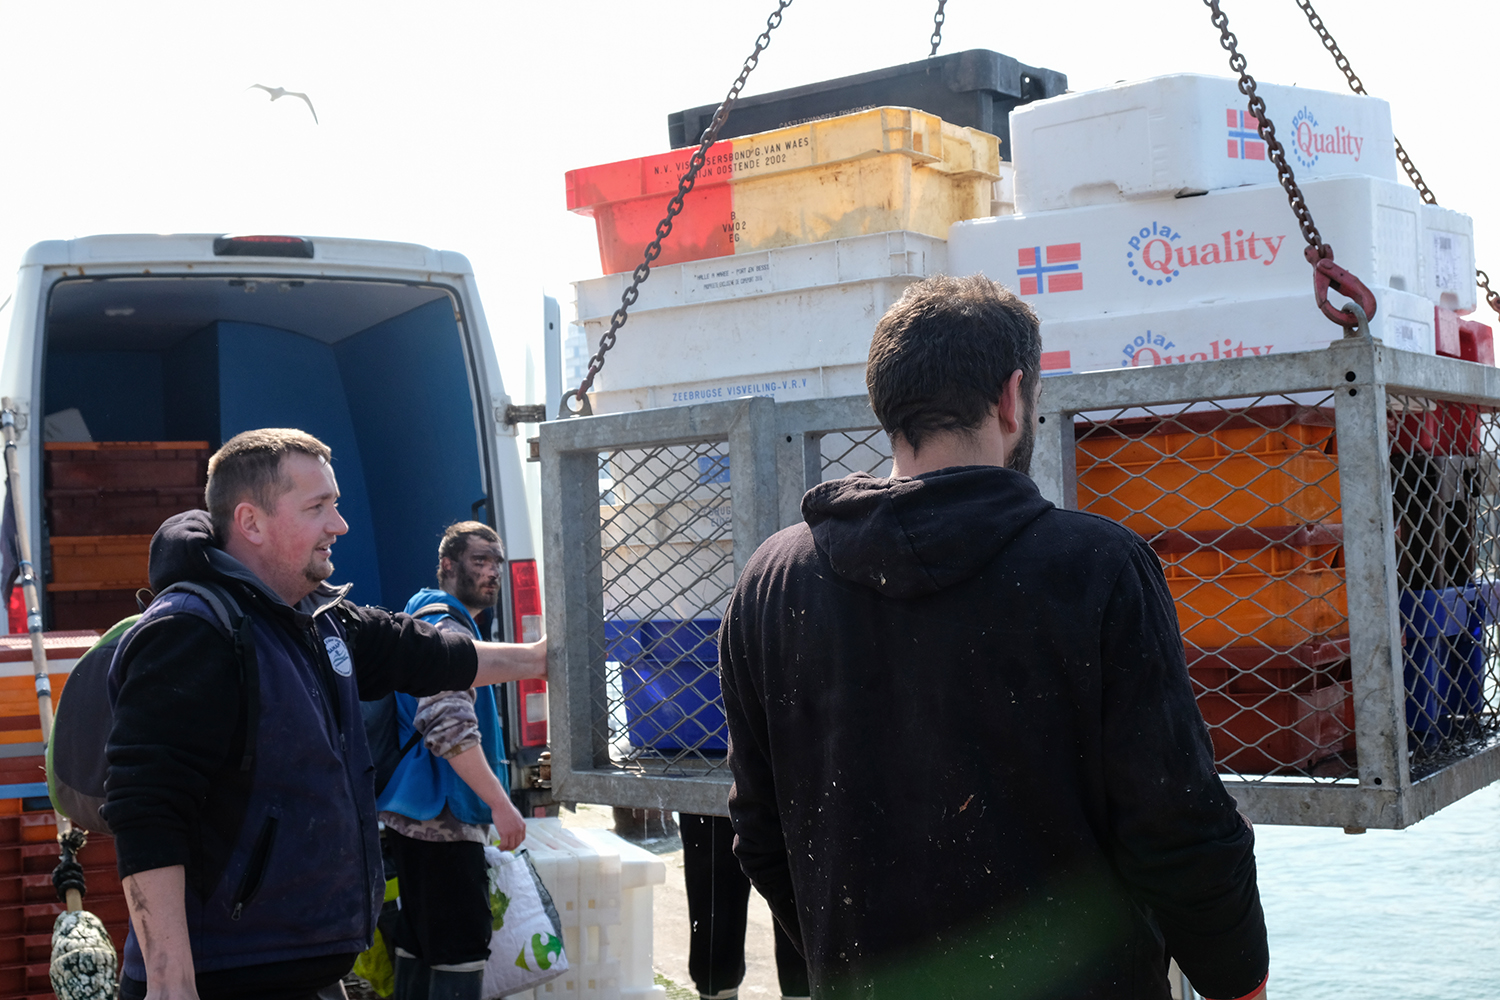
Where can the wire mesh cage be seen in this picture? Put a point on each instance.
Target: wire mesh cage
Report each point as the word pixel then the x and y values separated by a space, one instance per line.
pixel 844 453
pixel 1240 501
pixel 1444 484
pixel 1325 522
pixel 666 565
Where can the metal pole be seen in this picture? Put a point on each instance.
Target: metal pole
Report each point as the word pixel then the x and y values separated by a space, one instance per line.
pixel 33 602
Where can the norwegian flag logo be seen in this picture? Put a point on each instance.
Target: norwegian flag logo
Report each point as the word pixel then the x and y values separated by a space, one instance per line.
pixel 1244 142
pixel 1057 362
pixel 1061 272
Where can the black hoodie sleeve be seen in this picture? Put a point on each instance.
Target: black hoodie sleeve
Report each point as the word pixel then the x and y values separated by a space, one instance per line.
pixel 1177 838
pixel 399 653
pixel 175 724
pixel 760 843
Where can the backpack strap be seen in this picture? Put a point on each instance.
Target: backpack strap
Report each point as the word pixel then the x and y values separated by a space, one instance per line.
pixel 233 620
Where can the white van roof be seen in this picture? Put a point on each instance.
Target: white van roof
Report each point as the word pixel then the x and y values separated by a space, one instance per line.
pixel 178 249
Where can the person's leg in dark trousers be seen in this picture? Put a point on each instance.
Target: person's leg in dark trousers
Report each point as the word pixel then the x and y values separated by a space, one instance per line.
pixel 791 967
pixel 444 928
pixel 717 894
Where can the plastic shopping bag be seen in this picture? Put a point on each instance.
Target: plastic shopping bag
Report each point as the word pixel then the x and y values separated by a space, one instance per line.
pixel 526 948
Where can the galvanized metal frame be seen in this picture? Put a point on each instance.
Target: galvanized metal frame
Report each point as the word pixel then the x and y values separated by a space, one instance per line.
pixel 1360 373
pixel 581 771
pixel 775 454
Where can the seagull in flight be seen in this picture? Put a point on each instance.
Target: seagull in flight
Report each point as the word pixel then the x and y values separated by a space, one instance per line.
pixel 277 93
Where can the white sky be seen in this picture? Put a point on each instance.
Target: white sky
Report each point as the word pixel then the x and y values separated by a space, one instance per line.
pixel 452 123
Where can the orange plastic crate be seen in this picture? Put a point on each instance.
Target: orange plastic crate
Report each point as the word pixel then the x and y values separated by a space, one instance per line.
pixel 1198 471
pixel 100 562
pixel 1245 606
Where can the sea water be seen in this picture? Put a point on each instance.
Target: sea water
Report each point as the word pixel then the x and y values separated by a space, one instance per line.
pixel 1402 914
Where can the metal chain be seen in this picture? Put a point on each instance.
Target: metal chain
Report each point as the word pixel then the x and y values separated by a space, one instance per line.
pixel 1490 296
pixel 937 28
pixel 1358 87
pixel 1267 132
pixel 664 227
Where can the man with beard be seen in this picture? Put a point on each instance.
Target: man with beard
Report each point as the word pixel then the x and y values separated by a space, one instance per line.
pixel 448 789
pixel 967 760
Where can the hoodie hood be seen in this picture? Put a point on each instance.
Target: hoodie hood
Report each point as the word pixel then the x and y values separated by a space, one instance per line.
pixel 431 595
pixel 909 538
pixel 184 549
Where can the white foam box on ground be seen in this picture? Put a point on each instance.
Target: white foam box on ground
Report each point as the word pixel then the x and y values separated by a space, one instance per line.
pixel 1187 132
pixel 1448 245
pixel 601 886
pixel 793 323
pixel 1224 246
pixel 1212 331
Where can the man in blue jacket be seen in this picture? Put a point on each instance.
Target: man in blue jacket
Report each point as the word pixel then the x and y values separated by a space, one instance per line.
pixel 446 792
pixel 246 826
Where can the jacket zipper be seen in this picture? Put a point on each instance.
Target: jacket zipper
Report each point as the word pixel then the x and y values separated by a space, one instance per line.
pixel 255 871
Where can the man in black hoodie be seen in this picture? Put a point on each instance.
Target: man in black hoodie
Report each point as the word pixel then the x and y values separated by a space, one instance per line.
pixel 967 761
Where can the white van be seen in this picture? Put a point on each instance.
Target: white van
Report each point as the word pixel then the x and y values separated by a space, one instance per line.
pixel 379 349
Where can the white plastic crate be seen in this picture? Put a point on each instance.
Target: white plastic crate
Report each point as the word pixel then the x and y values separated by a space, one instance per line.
pixel 1211 331
pixel 794 323
pixel 1187 132
pixel 1225 246
pixel 601 886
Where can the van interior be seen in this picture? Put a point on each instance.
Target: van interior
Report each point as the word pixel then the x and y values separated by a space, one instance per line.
pixel 379 370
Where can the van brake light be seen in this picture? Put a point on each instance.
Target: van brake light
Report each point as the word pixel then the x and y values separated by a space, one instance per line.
pixel 526 608
pixel 263 246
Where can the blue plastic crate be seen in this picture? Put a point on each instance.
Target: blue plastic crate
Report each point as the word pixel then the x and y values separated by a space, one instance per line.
pixel 1444 654
pixel 670 682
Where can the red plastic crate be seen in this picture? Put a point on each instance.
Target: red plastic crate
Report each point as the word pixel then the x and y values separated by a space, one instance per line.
pixel 96 610
pixel 1445 429
pixel 126 465
pixel 117 512
pixel 1280 732
pixel 1476 342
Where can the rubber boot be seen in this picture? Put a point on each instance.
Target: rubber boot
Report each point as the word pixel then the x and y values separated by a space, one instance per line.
pixel 412 978
pixel 448 985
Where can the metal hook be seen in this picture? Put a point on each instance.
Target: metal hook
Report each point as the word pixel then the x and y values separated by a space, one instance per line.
pixel 1361 327
pixel 585 409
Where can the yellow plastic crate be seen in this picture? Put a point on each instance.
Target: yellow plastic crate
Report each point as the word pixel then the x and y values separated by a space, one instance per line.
pixel 872 171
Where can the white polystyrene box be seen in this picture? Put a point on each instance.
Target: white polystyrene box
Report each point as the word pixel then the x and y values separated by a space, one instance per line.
pixel 793 323
pixel 1448 245
pixel 1214 331
pixel 1187 132
pixel 601 887
pixel 1224 246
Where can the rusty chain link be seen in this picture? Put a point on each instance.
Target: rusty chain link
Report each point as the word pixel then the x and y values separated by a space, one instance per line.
pixel 1326 274
pixel 1267 131
pixel 1490 296
pixel 1357 85
pixel 937 28
pixel 664 227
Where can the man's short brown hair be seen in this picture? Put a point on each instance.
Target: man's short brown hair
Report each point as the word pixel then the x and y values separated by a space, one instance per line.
pixel 248 467
pixel 940 356
pixel 456 541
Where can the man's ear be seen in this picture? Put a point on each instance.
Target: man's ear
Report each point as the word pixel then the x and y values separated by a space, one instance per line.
pixel 445 568
pixel 1010 408
pixel 247 522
